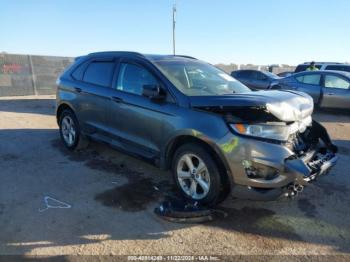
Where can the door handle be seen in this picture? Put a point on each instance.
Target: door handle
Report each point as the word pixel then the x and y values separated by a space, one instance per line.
pixel 78 89
pixel 330 94
pixel 117 99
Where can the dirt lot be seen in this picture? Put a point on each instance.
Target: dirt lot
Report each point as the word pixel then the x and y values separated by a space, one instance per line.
pixel 112 197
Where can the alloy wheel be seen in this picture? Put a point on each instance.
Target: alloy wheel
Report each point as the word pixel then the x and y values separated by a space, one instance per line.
pixel 68 130
pixel 193 176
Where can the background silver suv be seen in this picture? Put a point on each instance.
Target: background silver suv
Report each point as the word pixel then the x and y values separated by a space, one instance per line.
pixel 324 66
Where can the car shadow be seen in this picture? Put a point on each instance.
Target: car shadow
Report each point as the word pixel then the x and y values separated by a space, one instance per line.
pixel 113 196
pixel 32 106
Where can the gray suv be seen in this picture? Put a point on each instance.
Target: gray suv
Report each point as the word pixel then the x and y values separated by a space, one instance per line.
pixel 182 114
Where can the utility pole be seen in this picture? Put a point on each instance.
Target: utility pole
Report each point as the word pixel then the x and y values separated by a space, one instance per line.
pixel 174 22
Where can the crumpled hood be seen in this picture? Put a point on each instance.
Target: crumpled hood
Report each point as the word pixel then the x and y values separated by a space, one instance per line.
pixel 285 105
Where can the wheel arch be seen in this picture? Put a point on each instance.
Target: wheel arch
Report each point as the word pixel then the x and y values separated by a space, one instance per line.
pixel 61 108
pixel 180 140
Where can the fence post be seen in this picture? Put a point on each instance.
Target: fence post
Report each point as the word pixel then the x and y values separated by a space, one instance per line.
pixel 33 74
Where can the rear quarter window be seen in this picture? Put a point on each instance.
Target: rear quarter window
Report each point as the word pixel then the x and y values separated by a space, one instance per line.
pixel 78 72
pixel 99 73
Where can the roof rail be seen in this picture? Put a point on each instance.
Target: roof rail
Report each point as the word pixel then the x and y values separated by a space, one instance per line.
pixel 336 63
pixel 186 56
pixel 117 53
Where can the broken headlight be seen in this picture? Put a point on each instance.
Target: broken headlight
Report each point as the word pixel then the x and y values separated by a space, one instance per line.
pixel 279 132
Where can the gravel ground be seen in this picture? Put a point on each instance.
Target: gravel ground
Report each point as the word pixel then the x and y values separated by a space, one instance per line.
pixel 112 197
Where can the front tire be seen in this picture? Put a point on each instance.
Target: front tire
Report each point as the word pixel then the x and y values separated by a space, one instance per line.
pixel 196 174
pixel 70 131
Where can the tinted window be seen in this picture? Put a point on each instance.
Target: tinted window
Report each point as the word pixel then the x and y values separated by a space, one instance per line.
pixel 261 76
pixel 333 81
pixel 338 67
pixel 253 75
pixel 313 79
pixel 99 73
pixel 78 73
pixel 244 74
pixel 300 68
pixel 132 78
pixel 235 74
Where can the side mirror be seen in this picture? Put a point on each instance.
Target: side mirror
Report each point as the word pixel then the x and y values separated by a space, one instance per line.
pixel 154 92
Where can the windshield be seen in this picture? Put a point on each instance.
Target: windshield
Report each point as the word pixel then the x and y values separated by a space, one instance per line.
pixel 195 78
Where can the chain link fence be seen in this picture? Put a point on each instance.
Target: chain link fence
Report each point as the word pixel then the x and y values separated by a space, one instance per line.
pixel 22 75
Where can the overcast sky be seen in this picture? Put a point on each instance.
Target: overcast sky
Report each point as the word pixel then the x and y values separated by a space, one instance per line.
pixel 237 31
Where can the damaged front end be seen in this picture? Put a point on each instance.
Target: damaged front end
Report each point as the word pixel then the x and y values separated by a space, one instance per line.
pixel 279 148
pixel 314 155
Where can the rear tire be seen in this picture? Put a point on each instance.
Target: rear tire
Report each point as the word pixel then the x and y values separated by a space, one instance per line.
pixel 196 174
pixel 70 131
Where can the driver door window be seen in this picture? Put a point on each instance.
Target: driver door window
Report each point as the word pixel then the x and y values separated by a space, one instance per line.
pixel 313 79
pixel 132 78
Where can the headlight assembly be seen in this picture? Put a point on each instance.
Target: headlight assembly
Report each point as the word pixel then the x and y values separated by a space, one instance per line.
pixel 279 132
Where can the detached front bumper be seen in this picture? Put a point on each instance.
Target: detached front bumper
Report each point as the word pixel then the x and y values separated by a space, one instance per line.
pixel 315 163
pixel 297 173
pixel 288 169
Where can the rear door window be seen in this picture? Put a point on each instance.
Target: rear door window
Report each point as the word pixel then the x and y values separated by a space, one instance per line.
pixel 312 79
pixel 332 81
pixel 99 73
